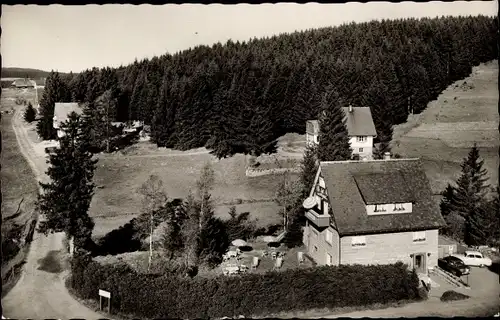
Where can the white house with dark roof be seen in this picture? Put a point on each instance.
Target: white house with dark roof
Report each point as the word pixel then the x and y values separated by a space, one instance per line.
pixel 360 128
pixel 62 110
pixel 372 212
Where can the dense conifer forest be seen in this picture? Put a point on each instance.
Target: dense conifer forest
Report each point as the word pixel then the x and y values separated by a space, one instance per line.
pixel 239 97
pixel 24 73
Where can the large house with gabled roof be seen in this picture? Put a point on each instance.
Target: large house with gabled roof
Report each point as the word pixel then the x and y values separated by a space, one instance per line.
pixel 360 128
pixel 372 212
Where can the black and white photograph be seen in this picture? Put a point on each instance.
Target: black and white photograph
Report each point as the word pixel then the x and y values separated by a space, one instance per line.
pixel 224 161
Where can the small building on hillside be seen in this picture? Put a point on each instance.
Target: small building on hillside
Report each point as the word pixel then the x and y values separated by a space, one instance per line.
pixel 62 110
pixel 22 84
pixel 372 212
pixel 360 128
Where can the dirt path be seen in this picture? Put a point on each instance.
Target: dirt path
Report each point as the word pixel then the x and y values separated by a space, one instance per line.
pixel 39 294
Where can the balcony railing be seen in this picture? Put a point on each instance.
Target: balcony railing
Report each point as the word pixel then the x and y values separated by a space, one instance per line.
pixel 317 218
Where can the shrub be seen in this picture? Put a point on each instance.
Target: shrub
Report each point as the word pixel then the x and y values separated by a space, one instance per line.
pixel 269 231
pixel 451 295
pixel 150 296
pixel 29 113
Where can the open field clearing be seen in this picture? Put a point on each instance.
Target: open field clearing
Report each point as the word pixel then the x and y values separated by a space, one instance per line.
pixel 18 181
pixel 466 112
pixel 119 176
pixel 441 136
pixel 19 192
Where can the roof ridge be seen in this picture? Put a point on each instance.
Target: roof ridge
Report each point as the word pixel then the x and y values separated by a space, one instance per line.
pixel 367 161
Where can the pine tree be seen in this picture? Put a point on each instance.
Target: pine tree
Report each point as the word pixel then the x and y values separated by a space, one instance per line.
pixel 309 168
pixel 66 199
pixel 102 113
pixel 172 237
pixel 471 189
pixel 476 232
pixel 213 241
pixel 454 222
pixel 29 113
pixel 333 137
pixel 55 91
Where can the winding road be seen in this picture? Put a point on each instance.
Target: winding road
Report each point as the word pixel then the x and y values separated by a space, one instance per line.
pixel 40 294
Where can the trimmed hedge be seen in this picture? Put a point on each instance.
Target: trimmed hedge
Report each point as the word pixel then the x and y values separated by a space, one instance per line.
pixel 149 296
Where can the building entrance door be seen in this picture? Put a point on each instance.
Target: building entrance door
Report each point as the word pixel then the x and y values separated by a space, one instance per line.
pixel 419 263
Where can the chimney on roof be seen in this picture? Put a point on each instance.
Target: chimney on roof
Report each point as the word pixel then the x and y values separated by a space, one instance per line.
pixel 350 108
pixel 387 156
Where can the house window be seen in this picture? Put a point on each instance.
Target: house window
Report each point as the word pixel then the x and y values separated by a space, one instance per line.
pixel 329 259
pixel 329 236
pixel 361 139
pixel 399 207
pixel 360 150
pixel 380 208
pixel 359 241
pixel 419 236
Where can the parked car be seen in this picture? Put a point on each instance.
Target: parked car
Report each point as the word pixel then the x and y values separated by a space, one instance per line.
pixel 474 258
pixel 453 265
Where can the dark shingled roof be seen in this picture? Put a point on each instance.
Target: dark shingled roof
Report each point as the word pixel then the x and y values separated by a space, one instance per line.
pixel 349 208
pixel 359 122
pixel 380 188
pixel 22 83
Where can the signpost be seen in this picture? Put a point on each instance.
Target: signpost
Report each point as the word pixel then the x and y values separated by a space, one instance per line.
pixel 107 295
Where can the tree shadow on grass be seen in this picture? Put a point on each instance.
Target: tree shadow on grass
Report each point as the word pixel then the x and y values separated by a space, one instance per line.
pixel 51 262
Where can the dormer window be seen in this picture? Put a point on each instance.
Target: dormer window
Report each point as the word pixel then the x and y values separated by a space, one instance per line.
pixel 380 208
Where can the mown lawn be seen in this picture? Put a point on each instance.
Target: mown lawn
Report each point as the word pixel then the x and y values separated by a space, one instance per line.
pixel 119 176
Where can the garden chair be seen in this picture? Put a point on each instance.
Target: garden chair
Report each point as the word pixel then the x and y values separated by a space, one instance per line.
pixel 300 257
pixel 279 263
pixel 255 262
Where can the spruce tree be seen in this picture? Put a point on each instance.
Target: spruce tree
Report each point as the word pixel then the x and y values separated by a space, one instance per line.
pixel 213 241
pixel 29 113
pixel 65 200
pixel 446 204
pixel 333 136
pixel 471 190
pixel 55 91
pixel 476 231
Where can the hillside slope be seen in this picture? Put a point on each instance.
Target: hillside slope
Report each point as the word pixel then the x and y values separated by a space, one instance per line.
pixel 442 135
